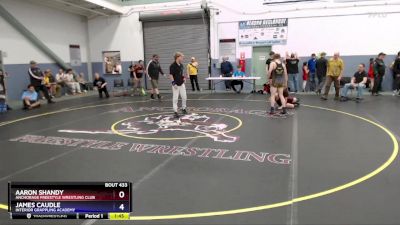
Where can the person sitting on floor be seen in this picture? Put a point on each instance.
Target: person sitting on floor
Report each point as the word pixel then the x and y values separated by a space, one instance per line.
pixel 238 73
pixel 82 82
pixel 71 83
pixel 358 81
pixel 30 98
pixel 291 102
pixel 50 82
pixel 101 85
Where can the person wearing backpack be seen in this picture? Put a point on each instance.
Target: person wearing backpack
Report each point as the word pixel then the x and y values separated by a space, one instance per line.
pixel 192 71
pixel 278 79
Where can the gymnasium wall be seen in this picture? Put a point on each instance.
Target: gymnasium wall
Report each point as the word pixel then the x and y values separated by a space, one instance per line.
pixel 358 33
pixel 116 33
pixel 57 29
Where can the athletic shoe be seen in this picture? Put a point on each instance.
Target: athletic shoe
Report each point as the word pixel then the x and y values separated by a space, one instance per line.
pixel 176 115
pixel 324 98
pixel 184 112
pixel 152 96
pixel 51 102
pixel 343 99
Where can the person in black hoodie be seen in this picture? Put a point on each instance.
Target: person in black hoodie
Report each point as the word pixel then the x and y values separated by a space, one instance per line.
pixel 396 72
pixel 379 72
pixel 153 71
pixel 36 77
pixel 322 68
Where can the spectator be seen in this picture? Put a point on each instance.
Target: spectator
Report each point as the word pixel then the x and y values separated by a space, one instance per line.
pixel 101 85
pixel 334 74
pixel 3 100
pixel 50 82
pixel 36 78
pixel 305 76
pixel 321 69
pixel 71 82
pixel 82 82
pixel 371 74
pixel 192 71
pixel 226 71
pixel 396 71
pixel 138 71
pixel 358 81
pixel 238 73
pixel 379 72
pixel 153 71
pixel 312 68
pixel 30 98
pixel 61 79
pixel 292 64
pixel 269 60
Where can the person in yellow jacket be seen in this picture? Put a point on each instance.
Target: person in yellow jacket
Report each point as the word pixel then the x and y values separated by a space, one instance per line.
pixel 334 74
pixel 192 71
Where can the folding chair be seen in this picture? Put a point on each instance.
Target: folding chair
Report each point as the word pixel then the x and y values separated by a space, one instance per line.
pixel 118 88
pixel 129 87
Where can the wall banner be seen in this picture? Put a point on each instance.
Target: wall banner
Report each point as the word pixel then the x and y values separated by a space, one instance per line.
pixel 263 32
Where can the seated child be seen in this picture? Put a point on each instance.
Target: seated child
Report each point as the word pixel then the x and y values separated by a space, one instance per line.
pixel 30 98
pixel 238 73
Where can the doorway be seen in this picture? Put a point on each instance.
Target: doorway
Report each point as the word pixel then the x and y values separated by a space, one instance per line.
pixel 259 57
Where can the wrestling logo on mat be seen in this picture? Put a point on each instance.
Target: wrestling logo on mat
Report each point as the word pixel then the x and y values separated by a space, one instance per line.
pixel 163 126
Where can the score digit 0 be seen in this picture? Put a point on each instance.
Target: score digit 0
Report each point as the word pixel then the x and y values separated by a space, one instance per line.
pixel 121 194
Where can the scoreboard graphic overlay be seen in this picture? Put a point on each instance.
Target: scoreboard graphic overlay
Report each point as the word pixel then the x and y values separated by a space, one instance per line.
pixel 70 200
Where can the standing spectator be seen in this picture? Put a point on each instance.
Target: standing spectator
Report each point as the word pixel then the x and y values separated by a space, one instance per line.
pixel 305 76
pixel 334 74
pixel 192 71
pixel 371 75
pixel 358 81
pixel 71 82
pixel 177 77
pixel 101 85
pixel 269 60
pixel 82 82
pixel 30 98
pixel 312 68
pixel 227 70
pixel 138 71
pixel 36 77
pixel 238 73
pixel 379 72
pixel 292 65
pixel 50 82
pixel 321 69
pixel 153 72
pixel 396 71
